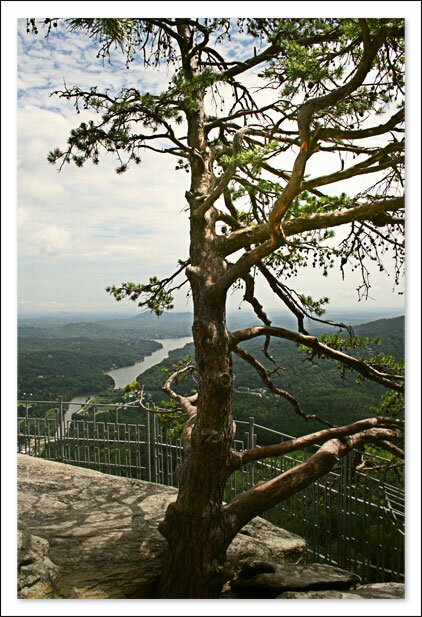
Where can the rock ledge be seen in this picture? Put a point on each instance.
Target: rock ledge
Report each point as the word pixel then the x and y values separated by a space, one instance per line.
pixel 85 534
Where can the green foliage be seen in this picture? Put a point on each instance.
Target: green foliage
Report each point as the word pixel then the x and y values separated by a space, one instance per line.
pixel 312 69
pixel 158 298
pixel 306 203
pixel 392 403
pixel 253 157
pixel 185 92
pixel 51 414
pixel 181 363
pixel 172 424
pixel 350 342
pixel 314 306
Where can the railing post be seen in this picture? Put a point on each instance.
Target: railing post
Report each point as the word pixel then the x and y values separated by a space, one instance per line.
pixel 252 440
pixel 61 427
pixel 154 448
pixel 148 444
pixel 27 431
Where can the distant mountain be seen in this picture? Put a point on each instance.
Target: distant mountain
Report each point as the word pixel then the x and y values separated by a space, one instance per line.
pixel 175 324
pixel 382 327
pixel 167 325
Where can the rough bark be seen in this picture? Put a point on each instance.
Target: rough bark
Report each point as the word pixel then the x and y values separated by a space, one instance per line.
pixel 195 524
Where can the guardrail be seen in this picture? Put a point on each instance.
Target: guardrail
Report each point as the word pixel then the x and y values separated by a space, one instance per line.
pixel 348 517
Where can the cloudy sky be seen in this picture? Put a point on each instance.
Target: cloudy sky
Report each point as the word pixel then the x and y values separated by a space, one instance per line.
pixel 82 229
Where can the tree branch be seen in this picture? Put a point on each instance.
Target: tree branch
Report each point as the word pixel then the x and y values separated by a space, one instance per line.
pixel 260 369
pixel 280 290
pixel 256 234
pixel 304 118
pixel 268 494
pixel 185 402
pixel 250 297
pixel 280 449
pixel 225 178
pixel 332 133
pixel 373 164
pixel 395 382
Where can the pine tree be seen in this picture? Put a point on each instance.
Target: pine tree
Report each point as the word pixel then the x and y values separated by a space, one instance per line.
pixel 328 87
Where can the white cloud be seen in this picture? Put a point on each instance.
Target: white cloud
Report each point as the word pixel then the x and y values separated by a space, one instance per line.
pixel 53 240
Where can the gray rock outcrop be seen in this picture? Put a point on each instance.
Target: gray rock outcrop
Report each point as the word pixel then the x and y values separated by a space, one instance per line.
pixel 84 534
pixel 260 540
pixel 380 591
pixel 269 580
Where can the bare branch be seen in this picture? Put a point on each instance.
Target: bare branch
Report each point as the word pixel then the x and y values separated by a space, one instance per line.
pixel 260 369
pixel 395 382
pixel 250 297
pixel 225 178
pixel 184 402
pixel 154 410
pixel 281 291
pixel 332 133
pixel 260 453
pixel 372 164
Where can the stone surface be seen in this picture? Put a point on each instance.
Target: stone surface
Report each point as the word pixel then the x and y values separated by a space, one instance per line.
pixel 36 571
pixel 379 591
pixel 260 540
pixel 98 532
pixel 267 579
pixel 319 595
pixel 85 534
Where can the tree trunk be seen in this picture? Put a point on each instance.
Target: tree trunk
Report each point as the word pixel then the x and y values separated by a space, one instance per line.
pixel 196 555
pixel 195 525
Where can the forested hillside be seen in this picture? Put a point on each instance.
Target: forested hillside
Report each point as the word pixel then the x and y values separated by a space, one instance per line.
pixel 324 390
pixel 50 366
pixel 67 359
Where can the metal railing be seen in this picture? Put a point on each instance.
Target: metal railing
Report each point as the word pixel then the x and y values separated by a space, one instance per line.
pixel 348 518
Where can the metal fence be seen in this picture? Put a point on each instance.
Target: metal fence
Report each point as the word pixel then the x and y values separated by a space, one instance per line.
pixel 349 518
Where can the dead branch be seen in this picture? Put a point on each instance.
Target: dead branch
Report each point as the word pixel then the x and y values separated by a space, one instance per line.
pixel 395 382
pixel 260 369
pixel 185 402
pixel 249 296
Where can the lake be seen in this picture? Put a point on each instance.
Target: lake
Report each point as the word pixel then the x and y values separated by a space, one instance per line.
pixel 75 405
pixel 126 374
